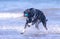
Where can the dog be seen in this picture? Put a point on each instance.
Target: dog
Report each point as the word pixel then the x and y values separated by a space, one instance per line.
pixel 34 16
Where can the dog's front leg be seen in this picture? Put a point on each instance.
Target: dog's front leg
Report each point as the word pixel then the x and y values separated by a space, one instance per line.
pixel 25 27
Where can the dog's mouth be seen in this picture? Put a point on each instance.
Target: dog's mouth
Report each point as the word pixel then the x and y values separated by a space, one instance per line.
pixel 26 15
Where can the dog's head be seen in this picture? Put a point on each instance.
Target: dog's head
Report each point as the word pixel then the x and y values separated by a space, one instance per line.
pixel 26 13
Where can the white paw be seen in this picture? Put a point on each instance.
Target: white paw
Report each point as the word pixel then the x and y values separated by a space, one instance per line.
pixel 23 31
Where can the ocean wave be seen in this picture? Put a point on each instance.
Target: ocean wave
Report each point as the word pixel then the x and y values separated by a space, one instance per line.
pixel 10 15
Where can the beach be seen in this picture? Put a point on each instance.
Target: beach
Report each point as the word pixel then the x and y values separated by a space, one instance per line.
pixel 12 24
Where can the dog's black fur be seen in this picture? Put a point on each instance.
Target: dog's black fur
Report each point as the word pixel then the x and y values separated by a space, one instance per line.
pixel 35 16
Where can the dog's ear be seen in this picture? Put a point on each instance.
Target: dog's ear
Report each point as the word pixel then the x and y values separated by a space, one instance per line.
pixel 28 10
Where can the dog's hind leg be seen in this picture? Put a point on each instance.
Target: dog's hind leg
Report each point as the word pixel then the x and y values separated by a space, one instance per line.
pixel 37 23
pixel 44 24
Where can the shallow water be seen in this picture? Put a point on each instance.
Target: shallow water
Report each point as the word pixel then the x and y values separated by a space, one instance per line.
pixel 10 28
pixel 16 35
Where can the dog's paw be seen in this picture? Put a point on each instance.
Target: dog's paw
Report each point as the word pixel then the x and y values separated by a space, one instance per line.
pixel 28 25
pixel 21 33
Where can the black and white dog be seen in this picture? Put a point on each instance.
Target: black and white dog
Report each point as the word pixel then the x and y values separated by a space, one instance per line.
pixel 34 16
